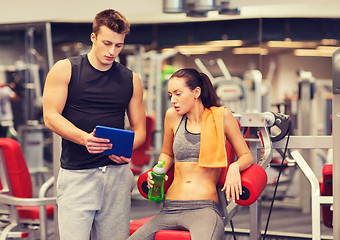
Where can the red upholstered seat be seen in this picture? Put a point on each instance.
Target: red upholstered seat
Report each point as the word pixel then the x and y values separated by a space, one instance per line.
pixel 140 156
pixel 32 212
pixel 20 179
pixel 326 189
pixel 17 193
pixel 19 176
pixel 173 234
pixel 134 225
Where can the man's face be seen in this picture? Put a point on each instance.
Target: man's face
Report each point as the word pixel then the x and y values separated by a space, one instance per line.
pixel 107 45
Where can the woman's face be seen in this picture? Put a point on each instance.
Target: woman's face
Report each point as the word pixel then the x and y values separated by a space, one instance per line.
pixel 181 96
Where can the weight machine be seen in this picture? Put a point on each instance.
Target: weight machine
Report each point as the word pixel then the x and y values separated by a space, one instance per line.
pixel 261 145
pixel 247 94
pixel 153 61
pixel 336 142
pixel 27 76
pixel 230 89
pixel 31 131
pixel 302 142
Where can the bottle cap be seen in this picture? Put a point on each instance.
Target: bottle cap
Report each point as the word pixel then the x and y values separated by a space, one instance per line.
pixel 159 168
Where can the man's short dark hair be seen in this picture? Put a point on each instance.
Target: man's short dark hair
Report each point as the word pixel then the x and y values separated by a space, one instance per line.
pixel 112 19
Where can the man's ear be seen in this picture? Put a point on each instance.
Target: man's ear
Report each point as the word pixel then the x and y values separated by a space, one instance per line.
pixel 93 37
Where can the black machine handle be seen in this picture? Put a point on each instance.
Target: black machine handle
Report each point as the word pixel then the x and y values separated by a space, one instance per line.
pixel 283 122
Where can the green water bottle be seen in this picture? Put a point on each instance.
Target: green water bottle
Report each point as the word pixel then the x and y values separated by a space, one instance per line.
pixel 156 193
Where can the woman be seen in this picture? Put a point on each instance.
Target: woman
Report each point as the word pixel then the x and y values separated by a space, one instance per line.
pixel 191 202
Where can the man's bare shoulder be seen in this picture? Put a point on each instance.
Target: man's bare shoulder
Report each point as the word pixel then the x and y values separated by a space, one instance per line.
pixel 64 63
pixel 61 70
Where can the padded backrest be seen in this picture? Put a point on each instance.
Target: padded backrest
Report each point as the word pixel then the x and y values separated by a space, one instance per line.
pixel 19 177
pixel 327 180
pixel 326 189
pixel 139 155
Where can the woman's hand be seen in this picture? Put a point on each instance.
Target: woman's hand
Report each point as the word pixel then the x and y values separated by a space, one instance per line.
pixel 149 179
pixel 151 182
pixel 232 184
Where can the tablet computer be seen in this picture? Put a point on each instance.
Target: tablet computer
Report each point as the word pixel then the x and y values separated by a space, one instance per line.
pixel 122 140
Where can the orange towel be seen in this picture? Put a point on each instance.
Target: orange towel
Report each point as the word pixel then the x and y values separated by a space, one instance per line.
pixel 212 151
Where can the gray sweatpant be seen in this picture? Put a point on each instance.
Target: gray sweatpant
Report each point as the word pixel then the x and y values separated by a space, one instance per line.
pixel 201 217
pixel 96 200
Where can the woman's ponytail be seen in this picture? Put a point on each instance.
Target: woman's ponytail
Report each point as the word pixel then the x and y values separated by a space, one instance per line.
pixel 195 79
pixel 208 96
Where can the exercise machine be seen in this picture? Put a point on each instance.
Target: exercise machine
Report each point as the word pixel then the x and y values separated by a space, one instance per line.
pixel 259 139
pixel 230 89
pixel 336 143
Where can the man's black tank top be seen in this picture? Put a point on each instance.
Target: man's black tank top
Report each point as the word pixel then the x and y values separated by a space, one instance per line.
pixel 94 98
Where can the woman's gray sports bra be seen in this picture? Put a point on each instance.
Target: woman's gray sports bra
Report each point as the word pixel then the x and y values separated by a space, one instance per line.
pixel 186 146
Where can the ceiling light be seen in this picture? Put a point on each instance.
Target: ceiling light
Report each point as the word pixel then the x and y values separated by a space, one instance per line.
pixel 192 51
pixel 166 50
pixel 173 6
pixel 225 43
pixel 192 13
pixel 199 8
pixel 250 50
pixel 206 47
pixel 327 48
pixel 315 52
pixel 291 44
pixel 197 49
pixel 230 11
pixel 224 8
pixel 205 5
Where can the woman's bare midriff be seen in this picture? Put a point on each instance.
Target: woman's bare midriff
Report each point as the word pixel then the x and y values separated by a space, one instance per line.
pixel 192 182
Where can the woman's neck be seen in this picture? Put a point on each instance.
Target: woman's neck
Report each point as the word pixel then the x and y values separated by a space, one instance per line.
pixel 195 115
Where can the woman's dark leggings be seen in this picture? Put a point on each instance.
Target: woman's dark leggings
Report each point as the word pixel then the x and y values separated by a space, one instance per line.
pixel 201 217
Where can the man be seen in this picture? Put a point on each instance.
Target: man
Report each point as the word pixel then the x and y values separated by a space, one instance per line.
pixel 94 190
pixel 6 116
